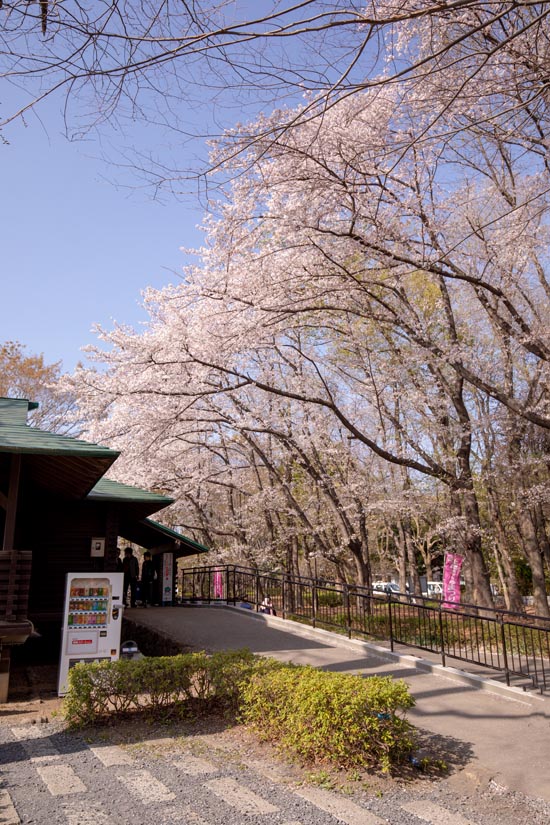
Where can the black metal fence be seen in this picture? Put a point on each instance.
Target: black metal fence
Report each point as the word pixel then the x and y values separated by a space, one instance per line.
pixel 514 644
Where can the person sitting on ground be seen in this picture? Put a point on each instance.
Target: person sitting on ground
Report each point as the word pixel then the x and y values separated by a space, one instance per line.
pixel 267 606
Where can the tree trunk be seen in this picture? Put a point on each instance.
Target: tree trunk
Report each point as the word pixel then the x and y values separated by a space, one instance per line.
pixel 361 560
pixel 476 575
pixel 534 557
pixel 507 574
pixel 402 557
pixel 543 535
pixel 414 578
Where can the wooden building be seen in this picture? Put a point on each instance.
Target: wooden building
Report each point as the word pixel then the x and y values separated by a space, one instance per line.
pixel 58 514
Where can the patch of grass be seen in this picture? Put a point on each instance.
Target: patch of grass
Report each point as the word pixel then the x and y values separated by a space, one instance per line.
pixel 322 778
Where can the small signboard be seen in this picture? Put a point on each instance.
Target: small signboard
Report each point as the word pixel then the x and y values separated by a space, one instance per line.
pixel 98 548
pixel 167 584
pixel 81 643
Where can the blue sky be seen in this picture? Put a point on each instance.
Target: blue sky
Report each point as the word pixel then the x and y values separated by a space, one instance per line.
pixel 74 248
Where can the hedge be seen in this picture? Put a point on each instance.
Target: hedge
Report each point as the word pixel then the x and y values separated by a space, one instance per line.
pixel 318 716
pixel 177 686
pixel 321 716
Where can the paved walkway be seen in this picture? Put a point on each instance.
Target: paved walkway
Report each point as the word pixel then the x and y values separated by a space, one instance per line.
pixel 496 733
pixel 55 777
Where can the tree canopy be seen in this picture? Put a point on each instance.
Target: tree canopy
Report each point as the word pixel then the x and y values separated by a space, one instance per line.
pixel 480 64
pixel 27 376
pixel 356 366
pixel 398 300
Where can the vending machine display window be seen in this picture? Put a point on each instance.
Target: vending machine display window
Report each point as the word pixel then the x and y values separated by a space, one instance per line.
pixel 92 621
pixel 89 602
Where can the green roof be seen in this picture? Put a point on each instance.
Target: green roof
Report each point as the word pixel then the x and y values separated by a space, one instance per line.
pixel 14 410
pixel 144 531
pixel 17 438
pixel 173 534
pixel 68 465
pixel 155 536
pixel 108 490
pixel 58 463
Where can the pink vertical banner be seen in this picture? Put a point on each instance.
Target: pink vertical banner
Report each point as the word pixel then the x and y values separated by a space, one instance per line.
pixel 218 584
pixel 451 580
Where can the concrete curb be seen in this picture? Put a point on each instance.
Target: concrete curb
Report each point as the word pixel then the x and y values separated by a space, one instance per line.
pixel 377 651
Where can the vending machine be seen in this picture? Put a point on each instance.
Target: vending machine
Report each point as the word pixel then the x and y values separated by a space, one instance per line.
pixel 92 621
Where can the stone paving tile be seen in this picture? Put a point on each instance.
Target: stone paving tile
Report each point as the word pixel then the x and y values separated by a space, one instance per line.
pixel 61 780
pixel 435 814
pixel 144 785
pixel 84 813
pixel 337 806
pixel 8 814
pixel 111 755
pixel 238 796
pixel 194 765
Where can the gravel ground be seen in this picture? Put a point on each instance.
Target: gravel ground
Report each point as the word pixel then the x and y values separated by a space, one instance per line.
pixel 206 773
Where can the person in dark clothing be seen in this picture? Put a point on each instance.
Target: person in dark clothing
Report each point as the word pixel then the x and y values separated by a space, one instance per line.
pixel 130 568
pixel 119 566
pixel 147 579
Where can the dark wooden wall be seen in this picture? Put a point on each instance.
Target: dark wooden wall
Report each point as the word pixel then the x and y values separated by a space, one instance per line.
pixel 59 534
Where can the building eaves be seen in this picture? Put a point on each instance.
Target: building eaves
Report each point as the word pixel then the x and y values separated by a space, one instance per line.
pixel 108 490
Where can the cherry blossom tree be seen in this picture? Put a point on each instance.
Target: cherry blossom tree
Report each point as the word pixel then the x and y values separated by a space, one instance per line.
pixel 382 265
pixel 264 480
pixel 474 65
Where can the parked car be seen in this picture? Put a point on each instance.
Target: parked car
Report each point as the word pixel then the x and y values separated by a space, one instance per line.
pixel 434 590
pixel 385 587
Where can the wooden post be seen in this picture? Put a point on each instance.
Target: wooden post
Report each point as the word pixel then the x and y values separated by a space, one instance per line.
pixel 11 508
pixel 5 656
pixel 9 533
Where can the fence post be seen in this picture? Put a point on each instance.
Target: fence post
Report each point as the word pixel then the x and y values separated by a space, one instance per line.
pixel 314 604
pixel 284 595
pixel 441 636
pixel 257 591
pixel 500 620
pixel 348 611
pixel 390 620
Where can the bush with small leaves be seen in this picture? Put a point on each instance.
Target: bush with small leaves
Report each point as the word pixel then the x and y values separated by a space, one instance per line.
pixel 184 685
pixel 319 716
pixel 334 718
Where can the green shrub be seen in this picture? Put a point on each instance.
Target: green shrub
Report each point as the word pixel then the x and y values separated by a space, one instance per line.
pixel 329 598
pixel 330 717
pixel 320 716
pixel 191 683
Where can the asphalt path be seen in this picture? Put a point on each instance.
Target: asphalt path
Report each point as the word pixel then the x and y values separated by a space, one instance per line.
pixel 140 773
pixel 496 735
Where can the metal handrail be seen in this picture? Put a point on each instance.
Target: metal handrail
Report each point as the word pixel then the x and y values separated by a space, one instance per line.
pixel 514 644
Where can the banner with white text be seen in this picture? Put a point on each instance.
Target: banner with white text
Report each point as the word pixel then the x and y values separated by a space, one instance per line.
pixel 451 581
